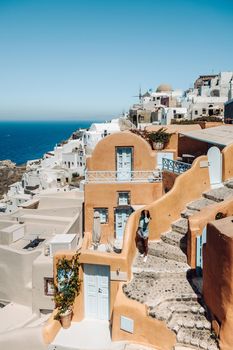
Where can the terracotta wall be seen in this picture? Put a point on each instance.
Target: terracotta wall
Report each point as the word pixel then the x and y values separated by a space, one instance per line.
pixel 104 155
pixel 198 222
pixel 188 187
pixel 218 277
pixel 188 145
pixel 106 196
pixel 228 162
pixel 206 125
pixel 174 130
pixel 147 331
pixel 168 180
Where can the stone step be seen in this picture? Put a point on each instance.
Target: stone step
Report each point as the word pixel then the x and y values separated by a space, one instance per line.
pixel 166 309
pixel 167 251
pixel 188 320
pixel 219 194
pixel 187 213
pixel 180 226
pixel 152 291
pixel 229 183
pixel 199 204
pixel 200 339
pixel 174 238
pixel 159 267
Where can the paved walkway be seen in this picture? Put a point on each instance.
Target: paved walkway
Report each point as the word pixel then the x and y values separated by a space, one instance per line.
pixel 13 316
pixel 87 334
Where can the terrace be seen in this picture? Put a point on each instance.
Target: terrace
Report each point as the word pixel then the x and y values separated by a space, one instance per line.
pixel 140 176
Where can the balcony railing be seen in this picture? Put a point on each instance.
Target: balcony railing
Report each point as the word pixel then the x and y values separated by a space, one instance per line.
pixel 175 166
pixel 123 176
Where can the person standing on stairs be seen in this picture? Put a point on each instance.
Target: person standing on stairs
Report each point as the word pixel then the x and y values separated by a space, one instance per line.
pixel 143 232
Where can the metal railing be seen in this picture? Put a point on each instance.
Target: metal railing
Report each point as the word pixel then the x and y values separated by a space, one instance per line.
pixel 123 176
pixel 175 166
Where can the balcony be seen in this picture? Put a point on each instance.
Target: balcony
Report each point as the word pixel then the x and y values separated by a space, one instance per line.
pixel 175 166
pixel 139 176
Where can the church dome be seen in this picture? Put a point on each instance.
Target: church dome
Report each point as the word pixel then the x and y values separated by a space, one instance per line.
pixel 164 88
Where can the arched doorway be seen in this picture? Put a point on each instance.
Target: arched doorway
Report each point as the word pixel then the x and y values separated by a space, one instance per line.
pixel 215 166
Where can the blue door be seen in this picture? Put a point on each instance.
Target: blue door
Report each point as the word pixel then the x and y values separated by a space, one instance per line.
pixel 124 163
pixel 96 291
pixel 199 250
pixel 121 217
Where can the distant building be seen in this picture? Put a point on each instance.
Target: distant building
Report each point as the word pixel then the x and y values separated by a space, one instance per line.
pixel 158 107
pixel 209 95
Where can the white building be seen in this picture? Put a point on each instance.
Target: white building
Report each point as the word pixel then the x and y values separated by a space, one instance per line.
pixel 209 95
pixel 98 131
pixel 158 107
pixel 28 239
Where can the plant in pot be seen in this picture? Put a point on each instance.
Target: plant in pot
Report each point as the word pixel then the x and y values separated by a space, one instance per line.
pixel 159 138
pixel 67 288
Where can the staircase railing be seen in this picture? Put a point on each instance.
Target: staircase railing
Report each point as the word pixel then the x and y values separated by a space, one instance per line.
pixel 175 166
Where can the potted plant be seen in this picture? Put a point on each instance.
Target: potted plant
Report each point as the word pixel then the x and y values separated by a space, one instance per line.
pixel 67 288
pixel 159 138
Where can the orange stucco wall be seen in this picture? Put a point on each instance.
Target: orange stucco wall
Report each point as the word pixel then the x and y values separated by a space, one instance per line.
pixel 228 162
pixel 172 145
pixel 198 221
pixel 188 145
pixel 104 155
pixel 188 187
pixel 106 196
pixel 147 331
pixel 218 277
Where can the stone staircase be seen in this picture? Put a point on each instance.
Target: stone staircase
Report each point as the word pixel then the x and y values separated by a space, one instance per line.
pixel 165 283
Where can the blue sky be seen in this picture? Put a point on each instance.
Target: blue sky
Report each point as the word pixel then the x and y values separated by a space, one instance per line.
pixel 86 59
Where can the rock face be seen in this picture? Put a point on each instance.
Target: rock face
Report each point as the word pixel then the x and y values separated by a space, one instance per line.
pixel 9 174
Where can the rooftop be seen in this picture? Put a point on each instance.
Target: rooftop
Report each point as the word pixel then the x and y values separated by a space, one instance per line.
pixel 220 135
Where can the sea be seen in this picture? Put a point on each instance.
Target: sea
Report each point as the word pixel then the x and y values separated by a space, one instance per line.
pixel 25 140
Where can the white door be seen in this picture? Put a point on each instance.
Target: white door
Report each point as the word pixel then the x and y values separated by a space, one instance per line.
pixel 121 217
pixel 96 291
pixel 215 166
pixel 124 163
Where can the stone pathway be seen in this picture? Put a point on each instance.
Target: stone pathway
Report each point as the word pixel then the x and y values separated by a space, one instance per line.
pixel 164 283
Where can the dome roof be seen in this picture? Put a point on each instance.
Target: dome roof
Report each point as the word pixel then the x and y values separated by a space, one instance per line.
pixel 163 88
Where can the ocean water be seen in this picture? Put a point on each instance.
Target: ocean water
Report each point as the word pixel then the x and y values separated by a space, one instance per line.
pixel 24 140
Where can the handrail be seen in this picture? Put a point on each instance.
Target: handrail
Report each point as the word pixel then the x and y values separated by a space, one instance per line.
pixel 123 176
pixel 175 166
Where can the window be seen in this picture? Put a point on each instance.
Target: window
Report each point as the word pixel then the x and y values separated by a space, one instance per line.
pixel 48 286
pixel 204 111
pixel 153 98
pixel 196 112
pixel 123 198
pixel 103 215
